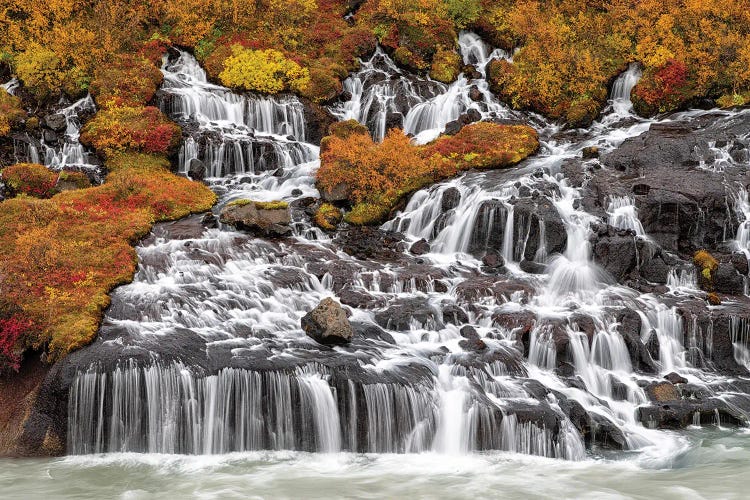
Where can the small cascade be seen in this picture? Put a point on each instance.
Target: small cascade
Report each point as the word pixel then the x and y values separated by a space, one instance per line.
pixel 742 206
pixel 64 152
pixel 382 97
pixel 740 337
pixel 682 278
pixel 11 85
pixel 623 85
pixel 236 134
pixel 624 215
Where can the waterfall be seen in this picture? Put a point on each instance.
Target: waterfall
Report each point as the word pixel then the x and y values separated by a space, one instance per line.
pixel 624 215
pixel 621 89
pixel 451 354
pixel 382 97
pixel 237 133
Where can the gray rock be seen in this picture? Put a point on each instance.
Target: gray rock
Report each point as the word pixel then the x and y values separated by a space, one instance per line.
pixel 56 122
pixel 327 323
pixel 274 222
pixel 196 169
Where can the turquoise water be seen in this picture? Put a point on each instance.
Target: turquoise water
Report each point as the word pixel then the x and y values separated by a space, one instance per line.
pixel 710 464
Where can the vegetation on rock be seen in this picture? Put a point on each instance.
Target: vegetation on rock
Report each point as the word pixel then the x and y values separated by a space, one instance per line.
pixel 61 255
pixel 143 129
pixel 376 177
pixel 30 179
pixel 11 112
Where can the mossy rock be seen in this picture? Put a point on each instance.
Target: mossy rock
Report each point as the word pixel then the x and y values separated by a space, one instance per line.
pixel 327 217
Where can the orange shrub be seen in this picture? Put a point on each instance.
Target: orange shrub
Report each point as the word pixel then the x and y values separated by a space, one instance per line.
pixel 134 128
pixel 30 179
pixel 130 81
pixel 10 111
pixel 376 177
pixel 60 257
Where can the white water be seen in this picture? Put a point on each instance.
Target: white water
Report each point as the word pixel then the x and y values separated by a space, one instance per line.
pixel 265 386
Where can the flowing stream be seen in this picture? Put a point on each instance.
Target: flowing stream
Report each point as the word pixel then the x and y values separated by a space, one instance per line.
pixel 209 357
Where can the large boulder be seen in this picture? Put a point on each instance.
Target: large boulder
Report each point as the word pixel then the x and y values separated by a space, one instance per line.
pixel 56 122
pixel 327 323
pixel 265 218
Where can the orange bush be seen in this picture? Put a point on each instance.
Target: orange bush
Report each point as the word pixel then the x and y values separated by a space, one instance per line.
pixel 134 128
pixel 377 176
pixel 60 257
pixel 131 80
pixel 30 179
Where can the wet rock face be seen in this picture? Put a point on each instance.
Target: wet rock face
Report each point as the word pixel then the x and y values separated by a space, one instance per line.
pixel 371 243
pixel 268 222
pixel 681 205
pixel 532 217
pixel 327 323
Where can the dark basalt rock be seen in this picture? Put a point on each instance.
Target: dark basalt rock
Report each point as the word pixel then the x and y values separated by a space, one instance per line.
pixel 56 122
pixel 727 280
pixel 453 314
pixel 196 169
pixel 403 313
pixel 371 243
pixel 327 323
pixel 420 247
pixel 615 252
pixel 450 199
pixel 675 378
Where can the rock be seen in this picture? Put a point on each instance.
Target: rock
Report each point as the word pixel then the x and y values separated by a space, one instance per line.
pixel 475 94
pixel 532 267
pixel 450 199
pixel 739 261
pixel 296 192
pixel 196 170
pixel 453 314
pixel 493 260
pixel 317 121
pixel 471 341
pixel 453 127
pixel 405 313
pixel 49 137
pixel 590 152
pixel 267 219
pixel 56 122
pixel 339 192
pixel 420 247
pixel 616 254
pixel 366 243
pixel 727 280
pixel 327 323
pixel 661 392
pixel 675 378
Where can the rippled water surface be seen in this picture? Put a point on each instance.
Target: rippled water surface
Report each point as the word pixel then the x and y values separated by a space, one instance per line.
pixel 711 464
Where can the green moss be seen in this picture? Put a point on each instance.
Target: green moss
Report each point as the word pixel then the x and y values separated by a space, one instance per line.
pixel 366 214
pixel 271 205
pixel 129 159
pixel 446 66
pixel 260 205
pixel 327 217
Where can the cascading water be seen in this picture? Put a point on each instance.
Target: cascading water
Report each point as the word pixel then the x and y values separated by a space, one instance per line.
pixel 211 356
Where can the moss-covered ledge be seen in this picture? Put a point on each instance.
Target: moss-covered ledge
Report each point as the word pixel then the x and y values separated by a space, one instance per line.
pixel 373 179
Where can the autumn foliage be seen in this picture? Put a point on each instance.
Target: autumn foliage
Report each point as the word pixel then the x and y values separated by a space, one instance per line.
pixel 11 112
pixel 30 179
pixel 376 177
pixel 144 129
pixel 129 81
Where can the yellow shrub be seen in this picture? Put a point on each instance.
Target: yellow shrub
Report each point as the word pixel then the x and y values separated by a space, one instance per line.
pixel 266 71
